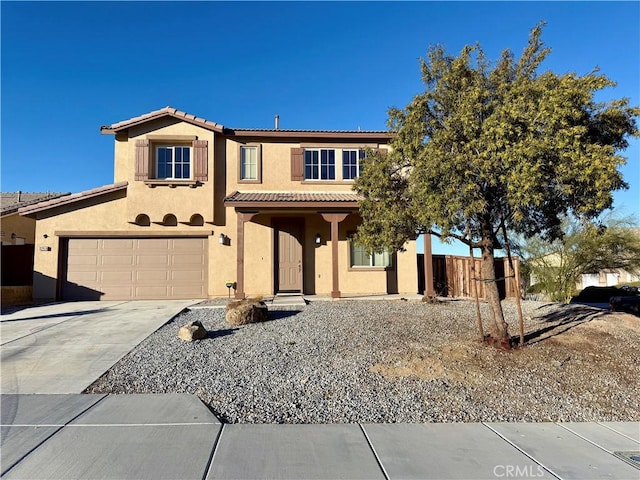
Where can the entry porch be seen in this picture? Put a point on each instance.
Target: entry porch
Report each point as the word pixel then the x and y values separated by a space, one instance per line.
pixel 300 242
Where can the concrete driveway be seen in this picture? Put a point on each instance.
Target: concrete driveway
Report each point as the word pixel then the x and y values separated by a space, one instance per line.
pixel 64 347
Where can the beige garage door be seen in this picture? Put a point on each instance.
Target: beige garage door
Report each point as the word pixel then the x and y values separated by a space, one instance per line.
pixel 135 268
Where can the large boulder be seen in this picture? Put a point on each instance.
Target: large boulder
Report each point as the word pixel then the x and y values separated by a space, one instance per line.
pixel 192 331
pixel 246 311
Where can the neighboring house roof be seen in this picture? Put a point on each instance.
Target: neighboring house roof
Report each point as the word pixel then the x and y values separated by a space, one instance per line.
pixel 163 112
pixel 11 201
pixel 289 199
pixel 57 202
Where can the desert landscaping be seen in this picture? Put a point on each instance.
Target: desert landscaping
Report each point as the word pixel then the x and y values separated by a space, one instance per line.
pixel 394 361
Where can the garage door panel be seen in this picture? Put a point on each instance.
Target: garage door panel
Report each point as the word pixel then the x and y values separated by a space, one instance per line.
pixel 152 277
pixel 154 259
pixel 187 244
pixel 116 276
pixel 153 243
pixel 116 292
pixel 83 260
pixel 136 268
pixel 79 244
pixel 150 291
pixel 187 291
pixel 188 276
pixel 187 259
pixel 117 260
pixel 117 244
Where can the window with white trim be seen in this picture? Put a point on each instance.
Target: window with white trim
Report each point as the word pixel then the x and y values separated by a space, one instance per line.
pixel 173 162
pixel 249 163
pixel 361 258
pixel 319 164
pixel 351 163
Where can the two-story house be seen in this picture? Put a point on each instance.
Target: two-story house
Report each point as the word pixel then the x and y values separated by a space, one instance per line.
pixel 195 205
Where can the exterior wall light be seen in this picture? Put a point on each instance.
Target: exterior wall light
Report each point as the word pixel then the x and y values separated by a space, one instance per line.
pixel 318 239
pixel 222 239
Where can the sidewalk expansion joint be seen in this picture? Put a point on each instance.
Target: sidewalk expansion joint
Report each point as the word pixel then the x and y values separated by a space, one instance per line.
pixel 524 452
pixel 373 450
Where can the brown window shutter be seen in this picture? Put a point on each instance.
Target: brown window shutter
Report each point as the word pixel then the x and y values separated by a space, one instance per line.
pixel 297 164
pixel 142 159
pixel 200 160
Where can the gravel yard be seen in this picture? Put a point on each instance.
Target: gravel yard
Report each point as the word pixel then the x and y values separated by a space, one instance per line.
pixel 394 361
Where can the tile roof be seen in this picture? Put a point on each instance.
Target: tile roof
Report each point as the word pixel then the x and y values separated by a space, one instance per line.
pixel 275 130
pixel 56 202
pixel 241 132
pixel 163 112
pixel 238 198
pixel 10 202
pixel 358 135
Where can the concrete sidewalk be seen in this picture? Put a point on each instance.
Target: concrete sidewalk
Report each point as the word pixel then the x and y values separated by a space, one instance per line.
pixel 175 436
pixel 64 347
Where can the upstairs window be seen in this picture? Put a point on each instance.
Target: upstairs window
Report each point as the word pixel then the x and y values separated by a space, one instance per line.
pixel 165 160
pixel 173 162
pixel 250 163
pixel 319 164
pixel 351 164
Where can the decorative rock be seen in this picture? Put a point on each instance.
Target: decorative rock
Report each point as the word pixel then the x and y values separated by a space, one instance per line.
pixel 192 331
pixel 246 311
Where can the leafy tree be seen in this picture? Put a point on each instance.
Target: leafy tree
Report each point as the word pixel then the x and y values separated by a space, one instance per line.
pixel 585 247
pixel 490 148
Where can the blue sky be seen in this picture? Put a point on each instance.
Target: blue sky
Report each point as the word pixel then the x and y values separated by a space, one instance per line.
pixel 69 67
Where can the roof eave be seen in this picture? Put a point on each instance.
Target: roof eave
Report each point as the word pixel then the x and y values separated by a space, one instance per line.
pixel 357 136
pixel 73 198
pixel 285 204
pixel 215 127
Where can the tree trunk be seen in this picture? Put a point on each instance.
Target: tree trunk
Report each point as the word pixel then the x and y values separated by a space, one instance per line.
pixel 474 279
pixel 516 281
pixel 498 328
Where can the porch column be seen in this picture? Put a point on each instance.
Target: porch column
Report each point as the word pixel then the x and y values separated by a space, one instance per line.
pixel 242 218
pixel 334 219
pixel 428 267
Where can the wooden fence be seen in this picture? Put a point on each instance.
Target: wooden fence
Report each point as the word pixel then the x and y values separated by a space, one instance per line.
pixel 453 277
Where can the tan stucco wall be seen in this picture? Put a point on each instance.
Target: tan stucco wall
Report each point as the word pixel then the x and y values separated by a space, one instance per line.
pixel 317 258
pixel 258 263
pixel 182 201
pixel 407 265
pixel 22 227
pixel 276 168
